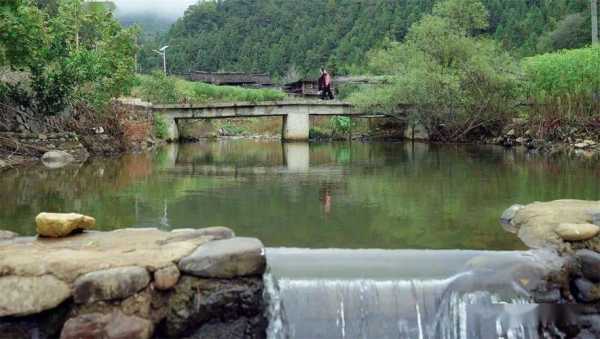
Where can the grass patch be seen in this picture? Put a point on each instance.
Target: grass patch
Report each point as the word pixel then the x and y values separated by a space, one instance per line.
pixel 158 88
pixel 564 84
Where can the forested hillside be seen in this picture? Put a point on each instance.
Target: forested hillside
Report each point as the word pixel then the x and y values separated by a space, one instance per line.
pixel 279 36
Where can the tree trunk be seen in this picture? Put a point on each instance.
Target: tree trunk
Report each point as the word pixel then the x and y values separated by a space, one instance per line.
pixel 594 22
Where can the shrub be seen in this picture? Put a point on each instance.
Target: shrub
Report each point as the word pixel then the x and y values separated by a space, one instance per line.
pixel 160 126
pixel 341 125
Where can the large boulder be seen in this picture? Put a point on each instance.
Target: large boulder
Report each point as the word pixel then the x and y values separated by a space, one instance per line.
pixel 236 257
pixel 115 283
pixel 537 223
pixel 56 225
pixel 57 159
pixel 20 296
pixel 115 325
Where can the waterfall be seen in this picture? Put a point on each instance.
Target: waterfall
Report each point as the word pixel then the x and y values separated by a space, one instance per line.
pixel 402 294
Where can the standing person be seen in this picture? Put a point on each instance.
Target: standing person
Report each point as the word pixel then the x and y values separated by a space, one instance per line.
pixel 322 84
pixel 327 94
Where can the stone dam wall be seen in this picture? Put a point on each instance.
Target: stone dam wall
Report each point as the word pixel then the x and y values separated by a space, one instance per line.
pixel 132 283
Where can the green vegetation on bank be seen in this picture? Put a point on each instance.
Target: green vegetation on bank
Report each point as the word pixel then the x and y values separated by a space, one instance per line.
pixel 276 36
pixel 566 83
pixel 458 83
pixel 68 53
pixel 158 88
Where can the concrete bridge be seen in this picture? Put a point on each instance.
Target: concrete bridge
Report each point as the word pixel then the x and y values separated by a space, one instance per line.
pixel 296 122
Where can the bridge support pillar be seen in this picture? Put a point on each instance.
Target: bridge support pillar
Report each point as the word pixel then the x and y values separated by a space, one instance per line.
pixel 295 127
pixel 172 129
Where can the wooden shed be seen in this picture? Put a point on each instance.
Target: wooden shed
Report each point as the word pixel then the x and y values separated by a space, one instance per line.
pixel 232 78
pixel 303 88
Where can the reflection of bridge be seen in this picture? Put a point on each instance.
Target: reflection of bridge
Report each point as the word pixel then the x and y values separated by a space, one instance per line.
pixel 296 158
pixel 295 114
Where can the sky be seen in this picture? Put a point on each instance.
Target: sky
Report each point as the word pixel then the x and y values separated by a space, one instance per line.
pixel 168 8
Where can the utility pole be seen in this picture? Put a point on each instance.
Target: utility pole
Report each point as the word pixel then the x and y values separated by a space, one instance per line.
pixel 594 22
pixel 163 52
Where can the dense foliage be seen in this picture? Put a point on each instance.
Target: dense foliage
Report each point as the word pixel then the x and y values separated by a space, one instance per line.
pixel 73 52
pixel 454 83
pixel 158 88
pixel 568 82
pixel 275 36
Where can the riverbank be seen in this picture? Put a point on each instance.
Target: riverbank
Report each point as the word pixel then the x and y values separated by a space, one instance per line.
pixel 132 283
pixel 25 137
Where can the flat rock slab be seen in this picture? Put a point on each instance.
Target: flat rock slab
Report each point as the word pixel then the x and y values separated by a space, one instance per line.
pixel 236 257
pixel 71 257
pixel 536 223
pixel 114 283
pixel 20 296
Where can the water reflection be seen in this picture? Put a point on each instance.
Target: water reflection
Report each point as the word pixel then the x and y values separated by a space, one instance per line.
pixel 323 195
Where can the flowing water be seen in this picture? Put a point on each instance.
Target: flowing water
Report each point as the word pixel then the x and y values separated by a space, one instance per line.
pixel 424 255
pixel 406 294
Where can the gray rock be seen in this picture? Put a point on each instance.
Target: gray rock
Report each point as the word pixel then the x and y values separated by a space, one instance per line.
pixel 57 159
pixel 590 264
pixel 236 257
pixel 115 325
pixel 509 214
pixel 586 291
pixel 115 283
pixel 577 232
pixel 30 295
pixel 166 277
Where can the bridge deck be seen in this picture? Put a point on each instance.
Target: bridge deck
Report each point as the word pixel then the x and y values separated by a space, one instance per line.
pixel 255 109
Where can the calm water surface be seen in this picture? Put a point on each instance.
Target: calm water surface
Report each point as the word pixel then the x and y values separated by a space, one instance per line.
pixel 379 195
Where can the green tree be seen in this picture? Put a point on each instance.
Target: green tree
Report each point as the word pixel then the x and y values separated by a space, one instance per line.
pixel 457 84
pixel 80 54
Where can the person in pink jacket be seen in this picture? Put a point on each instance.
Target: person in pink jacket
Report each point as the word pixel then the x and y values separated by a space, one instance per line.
pixel 325 85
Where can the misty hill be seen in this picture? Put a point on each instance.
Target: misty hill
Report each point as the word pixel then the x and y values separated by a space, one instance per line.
pixel 275 36
pixel 150 23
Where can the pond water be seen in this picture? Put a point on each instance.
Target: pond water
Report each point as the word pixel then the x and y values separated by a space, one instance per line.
pixel 341 195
